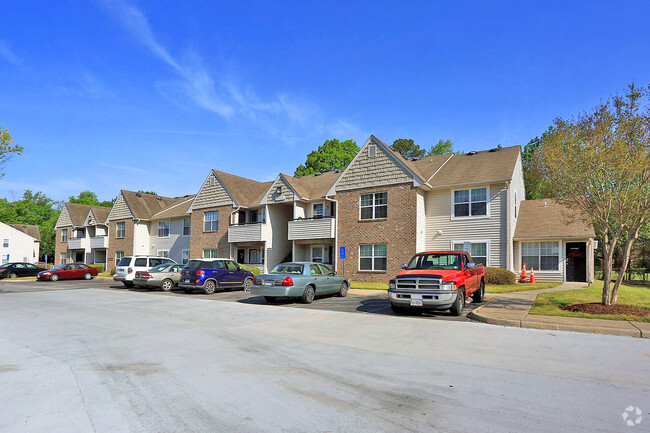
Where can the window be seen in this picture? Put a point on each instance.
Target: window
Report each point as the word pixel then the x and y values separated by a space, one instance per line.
pixel 211 180
pixel 372 257
pixel 64 236
pixel 163 253
pixel 118 256
pixel 163 229
pixel 372 151
pixel 315 270
pixel 121 230
pixel 470 202
pixel 185 256
pixel 319 210
pixel 63 257
pixel 478 251
pixel 5 243
pixel 211 220
pixel 142 261
pixel 253 216
pixel 152 262
pixel 210 253
pixel 543 256
pixel 231 265
pixel 326 270
pixel 186 226
pixel 374 205
pixel 252 256
pixel 317 254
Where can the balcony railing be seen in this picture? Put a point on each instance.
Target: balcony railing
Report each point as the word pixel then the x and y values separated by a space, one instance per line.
pixel 77 243
pixel 245 233
pixel 312 228
pixel 99 242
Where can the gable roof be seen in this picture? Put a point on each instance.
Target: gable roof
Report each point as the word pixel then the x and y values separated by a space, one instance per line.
pixel 145 206
pixel 548 218
pixel 79 212
pixel 176 211
pixel 246 192
pixel 30 230
pixel 101 213
pixel 313 186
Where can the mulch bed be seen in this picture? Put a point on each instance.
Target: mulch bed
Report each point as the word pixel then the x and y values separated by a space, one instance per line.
pixel 597 308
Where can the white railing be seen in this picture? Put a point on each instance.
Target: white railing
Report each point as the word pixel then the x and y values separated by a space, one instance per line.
pixel 99 242
pixel 312 228
pixel 245 233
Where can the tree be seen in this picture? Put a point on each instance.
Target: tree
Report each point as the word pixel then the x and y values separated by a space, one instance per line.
pixel 146 192
pixel 599 163
pixel 332 155
pixel 535 183
pixel 408 149
pixel 89 198
pixel 442 147
pixel 7 149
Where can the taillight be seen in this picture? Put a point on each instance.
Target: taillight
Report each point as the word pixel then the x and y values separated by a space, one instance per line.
pixel 137 274
pixel 3 269
pixel 199 272
pixel 287 282
pixel 146 276
pixel 130 270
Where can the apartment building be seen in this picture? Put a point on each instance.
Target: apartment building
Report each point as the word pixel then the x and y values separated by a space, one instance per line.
pixel 20 243
pixel 81 234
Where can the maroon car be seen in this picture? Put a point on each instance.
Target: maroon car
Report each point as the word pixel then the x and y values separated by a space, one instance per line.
pixel 68 271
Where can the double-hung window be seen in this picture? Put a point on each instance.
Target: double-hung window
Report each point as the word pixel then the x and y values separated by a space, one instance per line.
pixel 186 226
pixel 64 236
pixel 470 202
pixel 479 251
pixel 543 256
pixel 121 230
pixel 319 210
pixel 372 257
pixel 5 243
pixel 163 229
pixel 210 253
pixel 374 205
pixel 211 220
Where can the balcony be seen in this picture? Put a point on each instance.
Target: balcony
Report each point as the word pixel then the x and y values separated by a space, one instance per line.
pixel 99 242
pixel 312 228
pixel 245 233
pixel 77 243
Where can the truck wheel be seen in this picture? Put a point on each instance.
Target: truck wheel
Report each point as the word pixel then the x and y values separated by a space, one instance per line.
pixel 477 297
pixel 399 310
pixel 459 304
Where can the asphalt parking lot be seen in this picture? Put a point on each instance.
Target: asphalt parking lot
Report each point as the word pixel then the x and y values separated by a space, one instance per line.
pixel 353 303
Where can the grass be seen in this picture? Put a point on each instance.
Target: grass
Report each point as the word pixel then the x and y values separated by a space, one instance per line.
pixel 368 286
pixel 104 274
pixel 20 279
pixel 550 304
pixel 508 288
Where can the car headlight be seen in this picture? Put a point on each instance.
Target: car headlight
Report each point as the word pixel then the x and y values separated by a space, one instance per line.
pixel 46 274
pixel 448 285
pixel 391 284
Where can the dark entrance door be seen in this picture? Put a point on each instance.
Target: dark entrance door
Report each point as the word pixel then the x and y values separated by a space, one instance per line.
pixel 576 261
pixel 241 256
pixel 79 257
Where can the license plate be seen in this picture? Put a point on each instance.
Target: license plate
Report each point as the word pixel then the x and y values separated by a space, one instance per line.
pixel 268 283
pixel 187 280
pixel 416 302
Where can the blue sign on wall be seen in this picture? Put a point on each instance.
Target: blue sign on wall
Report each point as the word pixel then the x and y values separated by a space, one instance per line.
pixel 342 253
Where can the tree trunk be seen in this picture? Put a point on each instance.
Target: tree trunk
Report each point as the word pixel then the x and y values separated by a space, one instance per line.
pixel 608 253
pixel 626 260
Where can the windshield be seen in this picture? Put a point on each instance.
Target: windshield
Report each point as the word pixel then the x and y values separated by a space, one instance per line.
pixel 435 261
pixel 194 264
pixel 159 268
pixel 288 268
pixel 56 268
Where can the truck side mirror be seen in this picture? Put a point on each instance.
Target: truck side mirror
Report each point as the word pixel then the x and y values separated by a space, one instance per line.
pixel 403 266
pixel 471 265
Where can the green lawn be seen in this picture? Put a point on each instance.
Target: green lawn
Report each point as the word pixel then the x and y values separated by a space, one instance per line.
pixel 507 288
pixel 550 304
pixel 104 274
pixel 21 279
pixel 368 286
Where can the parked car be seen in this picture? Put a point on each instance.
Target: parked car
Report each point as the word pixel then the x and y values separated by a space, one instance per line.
pixel 302 280
pixel 128 266
pixel 15 270
pixel 437 280
pixel 212 274
pixel 163 277
pixel 68 271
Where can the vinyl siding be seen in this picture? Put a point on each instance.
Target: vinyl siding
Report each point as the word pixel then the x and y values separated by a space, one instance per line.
pixel 368 172
pixel 276 227
pixel 421 222
pixel 120 209
pixel 542 276
pixel 90 219
pixel 211 195
pixel 22 247
pixel 516 189
pixel 175 243
pixel 141 239
pixel 492 229
pixel 64 219
pixel 287 193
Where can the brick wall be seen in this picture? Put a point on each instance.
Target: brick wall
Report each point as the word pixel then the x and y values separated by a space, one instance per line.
pixel 201 240
pixel 119 244
pixel 60 247
pixel 398 231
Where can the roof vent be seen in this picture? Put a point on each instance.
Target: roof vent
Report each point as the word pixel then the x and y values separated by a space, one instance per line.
pixel 337 171
pixel 495 149
pixel 158 198
pixel 317 174
pixel 470 153
pixel 414 159
pixel 545 204
pixel 138 194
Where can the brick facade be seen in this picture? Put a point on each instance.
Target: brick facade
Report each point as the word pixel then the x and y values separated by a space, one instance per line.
pixel 201 240
pixel 119 244
pixel 60 247
pixel 397 231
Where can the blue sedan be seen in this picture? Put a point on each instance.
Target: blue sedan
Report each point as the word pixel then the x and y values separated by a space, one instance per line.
pixel 302 280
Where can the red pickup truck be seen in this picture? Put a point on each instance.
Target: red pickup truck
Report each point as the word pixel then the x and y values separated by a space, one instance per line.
pixel 437 280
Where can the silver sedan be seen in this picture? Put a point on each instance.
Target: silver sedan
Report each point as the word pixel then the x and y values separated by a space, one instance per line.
pixel 163 276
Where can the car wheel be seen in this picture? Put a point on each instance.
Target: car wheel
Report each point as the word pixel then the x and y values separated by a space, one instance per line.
pixel 88 276
pixel 478 296
pixel 54 277
pixel 399 310
pixel 459 303
pixel 248 282
pixel 343 291
pixel 188 291
pixel 13 275
pixel 128 284
pixel 167 285
pixel 270 299
pixel 210 287
pixel 308 296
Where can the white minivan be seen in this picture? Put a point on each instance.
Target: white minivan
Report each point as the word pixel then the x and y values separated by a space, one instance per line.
pixel 128 266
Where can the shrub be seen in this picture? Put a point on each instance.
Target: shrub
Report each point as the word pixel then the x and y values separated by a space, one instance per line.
pixel 100 268
pixel 255 271
pixel 113 271
pixel 499 276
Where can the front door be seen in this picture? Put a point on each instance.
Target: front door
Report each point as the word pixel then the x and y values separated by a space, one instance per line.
pixel 241 256
pixel 79 257
pixel 576 261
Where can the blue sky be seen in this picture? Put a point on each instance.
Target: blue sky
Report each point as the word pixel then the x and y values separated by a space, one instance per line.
pixel 105 95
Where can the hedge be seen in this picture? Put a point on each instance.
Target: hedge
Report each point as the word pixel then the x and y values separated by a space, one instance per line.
pixel 255 271
pixel 499 276
pixel 100 268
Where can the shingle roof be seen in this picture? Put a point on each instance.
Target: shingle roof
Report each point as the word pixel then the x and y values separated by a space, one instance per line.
pixel 246 192
pixel 177 211
pixel 410 164
pixel 547 218
pixel 30 230
pixel 313 186
pixel 79 212
pixel 145 206
pixel 101 213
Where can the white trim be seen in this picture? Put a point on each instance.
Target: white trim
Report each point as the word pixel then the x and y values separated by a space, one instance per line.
pixel 159 251
pixel 373 206
pixel 373 257
pixel 561 258
pixel 188 256
pixel 183 227
pixel 488 198
pixel 322 252
pixel 171 207
pixel 440 168
pixel 474 241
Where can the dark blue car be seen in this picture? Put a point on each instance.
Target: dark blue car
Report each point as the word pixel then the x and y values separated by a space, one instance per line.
pixel 212 274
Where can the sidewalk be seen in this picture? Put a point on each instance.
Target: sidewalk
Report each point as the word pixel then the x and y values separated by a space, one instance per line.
pixel 512 309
